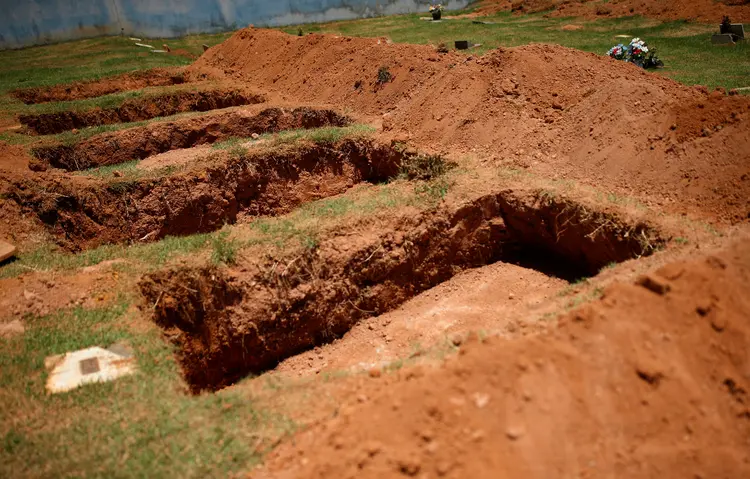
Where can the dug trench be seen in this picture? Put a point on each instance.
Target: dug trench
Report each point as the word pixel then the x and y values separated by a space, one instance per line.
pixel 104 86
pixel 82 213
pixel 230 322
pixel 141 142
pixel 138 109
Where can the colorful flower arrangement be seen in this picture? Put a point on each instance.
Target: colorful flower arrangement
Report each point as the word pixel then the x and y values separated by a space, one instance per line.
pixel 436 8
pixel 636 52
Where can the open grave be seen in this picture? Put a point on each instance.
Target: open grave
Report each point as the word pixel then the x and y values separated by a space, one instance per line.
pixel 138 109
pixel 212 190
pixel 141 142
pixel 93 88
pixel 228 323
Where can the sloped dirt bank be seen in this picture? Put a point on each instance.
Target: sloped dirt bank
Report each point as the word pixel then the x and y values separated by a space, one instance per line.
pixel 103 86
pixel 141 142
pixel 228 323
pixel 82 213
pixel 557 111
pixel 139 109
pixel 647 382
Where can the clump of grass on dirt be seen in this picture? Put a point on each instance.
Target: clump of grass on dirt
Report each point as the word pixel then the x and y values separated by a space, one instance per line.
pixel 144 424
pixel 423 167
pixel 224 249
pixel 124 176
pixel 148 255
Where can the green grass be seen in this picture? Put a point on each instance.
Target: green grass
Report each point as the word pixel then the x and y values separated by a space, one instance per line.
pixel 143 425
pixel 324 135
pixel 151 255
pixel 684 47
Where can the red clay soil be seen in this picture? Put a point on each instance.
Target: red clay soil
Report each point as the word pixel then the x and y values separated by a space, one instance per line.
pixel 651 381
pixel 16 226
pixel 709 11
pixel 557 111
pixel 138 109
pixel 104 86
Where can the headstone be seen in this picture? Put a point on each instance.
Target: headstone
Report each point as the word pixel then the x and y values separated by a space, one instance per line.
pixel 738 30
pixel 7 251
pixel 722 39
pixel 462 44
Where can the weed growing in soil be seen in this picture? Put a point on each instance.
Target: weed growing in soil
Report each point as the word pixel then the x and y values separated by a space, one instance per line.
pixel 384 75
pixel 224 249
pixel 423 167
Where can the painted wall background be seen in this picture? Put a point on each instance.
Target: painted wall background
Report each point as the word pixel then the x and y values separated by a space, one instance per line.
pixel 31 22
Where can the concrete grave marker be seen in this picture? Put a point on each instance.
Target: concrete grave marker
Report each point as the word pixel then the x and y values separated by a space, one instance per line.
pixel 74 369
pixel 722 39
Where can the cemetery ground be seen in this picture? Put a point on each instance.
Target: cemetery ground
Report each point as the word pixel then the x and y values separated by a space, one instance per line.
pixel 347 256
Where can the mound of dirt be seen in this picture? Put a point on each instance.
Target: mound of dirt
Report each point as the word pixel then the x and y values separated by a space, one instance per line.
pixel 104 86
pixel 710 11
pixel 555 110
pixel 651 380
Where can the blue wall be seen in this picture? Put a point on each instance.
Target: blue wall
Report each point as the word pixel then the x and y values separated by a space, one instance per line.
pixel 31 22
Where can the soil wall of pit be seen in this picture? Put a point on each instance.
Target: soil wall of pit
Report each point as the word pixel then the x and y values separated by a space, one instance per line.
pixel 228 323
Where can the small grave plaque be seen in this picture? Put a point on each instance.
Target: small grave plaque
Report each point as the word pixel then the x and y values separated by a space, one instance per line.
pixel 89 366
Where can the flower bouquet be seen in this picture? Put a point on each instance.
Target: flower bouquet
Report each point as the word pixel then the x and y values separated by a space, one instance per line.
pixel 637 52
pixel 436 11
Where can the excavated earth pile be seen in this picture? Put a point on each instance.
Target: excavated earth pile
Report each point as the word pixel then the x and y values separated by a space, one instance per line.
pixel 228 323
pixel 550 109
pixel 138 109
pixel 83 213
pixel 141 142
pixel 105 86
pixel 650 381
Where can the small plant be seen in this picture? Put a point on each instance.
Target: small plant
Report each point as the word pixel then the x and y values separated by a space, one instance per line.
pixel 384 75
pixel 299 32
pixel 637 52
pixel 423 167
pixel 442 48
pixel 224 249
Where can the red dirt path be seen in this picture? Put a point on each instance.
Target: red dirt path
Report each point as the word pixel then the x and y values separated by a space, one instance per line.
pixel 643 383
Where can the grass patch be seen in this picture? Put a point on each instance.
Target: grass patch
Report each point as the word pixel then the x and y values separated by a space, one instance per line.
pixel 153 255
pixel 143 424
pixel 325 135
